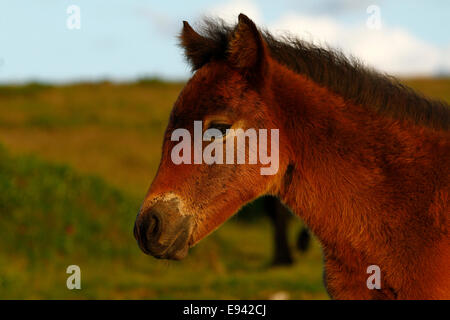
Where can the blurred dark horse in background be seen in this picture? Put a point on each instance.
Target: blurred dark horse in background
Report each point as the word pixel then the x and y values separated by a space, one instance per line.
pixel 363 160
pixel 280 217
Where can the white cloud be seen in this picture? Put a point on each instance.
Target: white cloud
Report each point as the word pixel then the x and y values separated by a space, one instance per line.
pixel 230 10
pixel 317 29
pixel 445 63
pixel 390 49
pixel 396 51
pixel 163 23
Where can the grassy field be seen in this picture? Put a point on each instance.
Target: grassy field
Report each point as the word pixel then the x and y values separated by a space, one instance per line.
pixel 75 163
pixel 53 217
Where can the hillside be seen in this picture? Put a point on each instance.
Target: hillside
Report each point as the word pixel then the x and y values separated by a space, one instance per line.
pixel 75 163
pixel 53 217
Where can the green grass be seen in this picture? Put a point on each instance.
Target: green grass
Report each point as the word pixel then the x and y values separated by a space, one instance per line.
pixel 114 131
pixel 53 217
pixel 77 162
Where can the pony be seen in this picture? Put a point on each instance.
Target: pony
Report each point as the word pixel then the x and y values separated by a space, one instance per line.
pixel 363 160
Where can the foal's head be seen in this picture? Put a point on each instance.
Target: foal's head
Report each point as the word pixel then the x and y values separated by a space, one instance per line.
pixel 187 201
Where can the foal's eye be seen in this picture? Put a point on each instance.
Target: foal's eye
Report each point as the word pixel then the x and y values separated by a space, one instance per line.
pixel 222 127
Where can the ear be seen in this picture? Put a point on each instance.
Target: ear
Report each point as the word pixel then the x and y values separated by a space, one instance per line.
pixel 197 48
pixel 247 49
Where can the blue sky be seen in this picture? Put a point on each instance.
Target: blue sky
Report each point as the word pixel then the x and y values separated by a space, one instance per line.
pixel 124 40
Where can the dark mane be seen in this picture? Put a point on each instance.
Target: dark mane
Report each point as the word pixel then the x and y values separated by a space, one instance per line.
pixel 347 77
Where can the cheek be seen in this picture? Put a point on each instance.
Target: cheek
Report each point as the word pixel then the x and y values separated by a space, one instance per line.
pixel 212 214
pixel 218 185
pixel 203 185
pixel 217 200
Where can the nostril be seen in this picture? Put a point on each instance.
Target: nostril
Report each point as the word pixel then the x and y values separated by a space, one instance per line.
pixel 142 232
pixel 153 227
pixel 148 230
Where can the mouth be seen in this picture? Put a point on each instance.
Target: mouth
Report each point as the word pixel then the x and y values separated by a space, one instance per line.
pixel 172 247
pixel 176 250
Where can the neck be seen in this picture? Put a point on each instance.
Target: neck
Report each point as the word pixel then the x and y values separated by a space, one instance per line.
pixel 374 190
pixel 342 171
